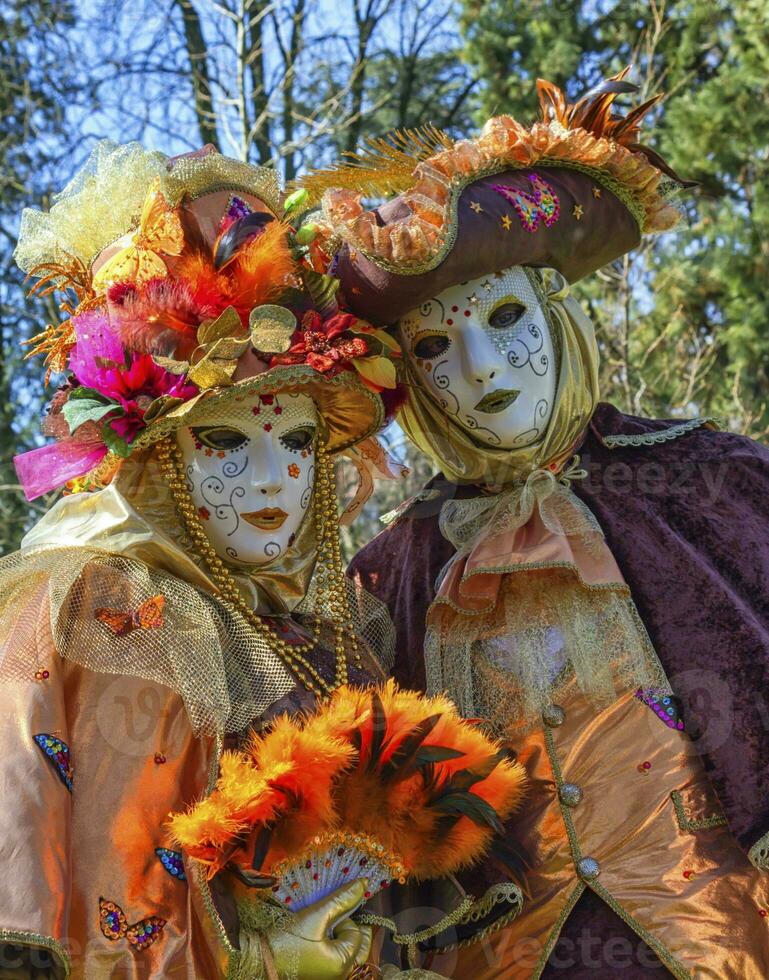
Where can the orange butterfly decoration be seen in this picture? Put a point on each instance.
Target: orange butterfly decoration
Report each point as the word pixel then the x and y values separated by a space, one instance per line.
pixel 160 231
pixel 147 616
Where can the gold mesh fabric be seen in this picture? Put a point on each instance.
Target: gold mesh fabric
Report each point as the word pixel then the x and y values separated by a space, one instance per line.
pixel 104 200
pixel 226 674
pixel 117 549
pixel 547 627
pixel 101 203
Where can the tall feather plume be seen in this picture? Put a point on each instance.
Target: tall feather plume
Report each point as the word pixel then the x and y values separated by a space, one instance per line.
pixel 384 165
pixel 595 113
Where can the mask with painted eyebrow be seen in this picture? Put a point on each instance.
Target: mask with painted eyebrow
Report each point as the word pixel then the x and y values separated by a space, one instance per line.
pixel 484 352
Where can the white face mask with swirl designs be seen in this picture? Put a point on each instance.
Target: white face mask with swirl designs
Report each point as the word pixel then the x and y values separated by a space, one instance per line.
pixel 485 353
pixel 250 472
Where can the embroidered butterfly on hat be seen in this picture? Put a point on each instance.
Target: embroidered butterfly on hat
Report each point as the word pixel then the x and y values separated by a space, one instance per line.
pixel 541 205
pixel 147 616
pixel 114 925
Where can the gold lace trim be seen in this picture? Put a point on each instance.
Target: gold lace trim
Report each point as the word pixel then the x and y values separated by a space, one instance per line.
pixel 662 435
pixel 555 932
pixel 469 910
pixel 36 939
pixel 688 825
pixel 759 853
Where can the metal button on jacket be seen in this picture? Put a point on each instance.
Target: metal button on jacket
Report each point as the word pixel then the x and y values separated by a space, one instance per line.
pixel 553 715
pixel 588 868
pixel 570 794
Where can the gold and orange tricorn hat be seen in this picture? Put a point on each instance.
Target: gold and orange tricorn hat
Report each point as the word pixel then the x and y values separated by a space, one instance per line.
pixel 185 281
pixel 572 192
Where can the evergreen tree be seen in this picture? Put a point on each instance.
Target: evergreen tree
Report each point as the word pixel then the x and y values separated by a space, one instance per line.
pixel 682 323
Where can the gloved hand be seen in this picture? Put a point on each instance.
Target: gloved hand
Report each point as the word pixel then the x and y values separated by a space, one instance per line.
pixel 324 943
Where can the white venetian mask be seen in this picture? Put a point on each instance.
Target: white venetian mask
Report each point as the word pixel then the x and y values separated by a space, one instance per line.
pixel 250 472
pixel 485 353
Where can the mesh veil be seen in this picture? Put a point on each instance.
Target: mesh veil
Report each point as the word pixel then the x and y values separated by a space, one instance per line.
pixel 546 631
pixel 114 552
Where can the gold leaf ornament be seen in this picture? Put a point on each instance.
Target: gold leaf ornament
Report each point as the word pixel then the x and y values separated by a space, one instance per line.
pixel 217 365
pixel 227 324
pixel 272 328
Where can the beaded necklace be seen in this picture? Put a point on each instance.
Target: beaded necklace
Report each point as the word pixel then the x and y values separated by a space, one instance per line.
pixel 330 578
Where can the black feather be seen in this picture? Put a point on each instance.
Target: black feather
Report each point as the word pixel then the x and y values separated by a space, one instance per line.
pixel 609 85
pixel 193 236
pixel 378 730
pixel 403 760
pixel 261 847
pixel 251 879
pixel 238 234
pixel 430 754
pixel 471 806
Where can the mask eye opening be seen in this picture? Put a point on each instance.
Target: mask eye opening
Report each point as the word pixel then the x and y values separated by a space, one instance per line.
pixel 299 438
pixel 430 344
pixel 506 314
pixel 222 438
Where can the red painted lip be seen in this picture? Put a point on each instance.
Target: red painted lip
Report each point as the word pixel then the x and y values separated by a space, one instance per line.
pixel 266 519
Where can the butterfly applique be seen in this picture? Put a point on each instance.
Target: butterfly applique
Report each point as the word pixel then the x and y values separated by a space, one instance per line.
pixel 172 862
pixel 667 707
pixel 159 233
pixel 148 616
pixel 114 926
pixel 57 752
pixel 541 205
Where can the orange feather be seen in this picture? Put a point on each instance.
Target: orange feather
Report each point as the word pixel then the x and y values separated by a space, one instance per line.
pixel 385 762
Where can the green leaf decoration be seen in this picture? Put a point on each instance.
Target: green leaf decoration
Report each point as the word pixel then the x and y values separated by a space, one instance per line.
pixel 322 291
pixel 91 394
pixel 272 328
pixel 306 234
pixel 295 201
pixel 115 443
pixel 79 410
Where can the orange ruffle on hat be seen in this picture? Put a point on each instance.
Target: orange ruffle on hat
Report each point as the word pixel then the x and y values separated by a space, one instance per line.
pixel 572 192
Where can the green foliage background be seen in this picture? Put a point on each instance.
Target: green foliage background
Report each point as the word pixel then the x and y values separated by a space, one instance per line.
pixel 682 322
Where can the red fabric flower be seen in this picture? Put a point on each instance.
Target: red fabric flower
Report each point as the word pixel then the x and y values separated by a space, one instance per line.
pixel 326 346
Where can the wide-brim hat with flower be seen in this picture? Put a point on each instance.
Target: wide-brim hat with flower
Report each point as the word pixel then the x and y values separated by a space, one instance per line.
pixel 572 192
pixel 185 284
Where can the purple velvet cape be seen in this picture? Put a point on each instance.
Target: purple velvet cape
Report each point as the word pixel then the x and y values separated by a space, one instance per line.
pixel 687 519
